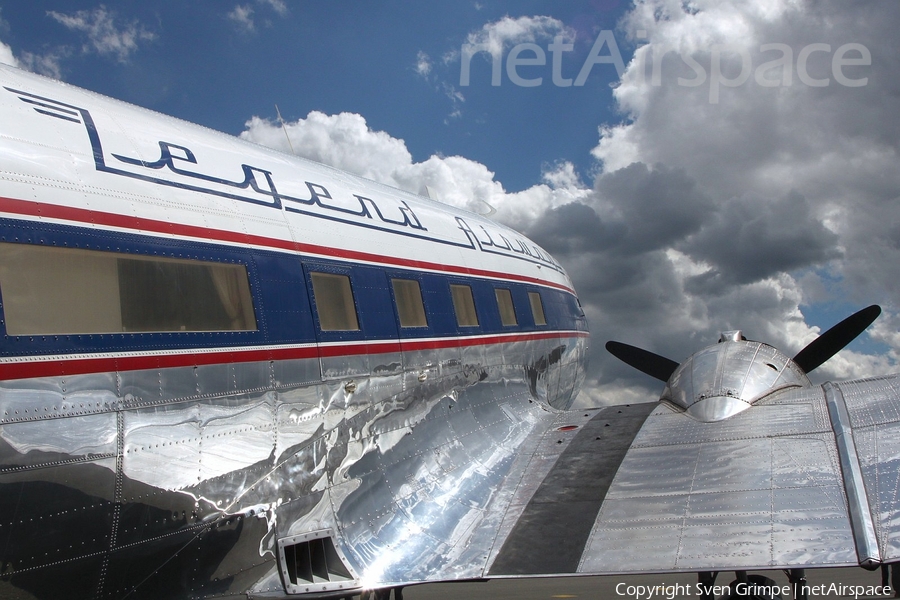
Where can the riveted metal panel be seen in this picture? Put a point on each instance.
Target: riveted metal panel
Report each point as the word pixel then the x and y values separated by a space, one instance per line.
pixel 294 372
pixel 74 504
pixel 176 383
pixel 872 409
pixel 143 387
pixel 214 380
pixel 731 494
pixel 250 377
pixel 872 402
pixel 339 367
pixel 49 442
pixel 766 420
pixel 54 397
pixel 626 546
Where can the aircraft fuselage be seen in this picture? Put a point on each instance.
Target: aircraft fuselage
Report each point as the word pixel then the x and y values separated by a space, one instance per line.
pixel 226 370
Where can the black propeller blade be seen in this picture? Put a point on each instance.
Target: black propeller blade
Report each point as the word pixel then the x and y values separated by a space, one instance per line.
pixel 817 352
pixel 644 361
pixel 832 341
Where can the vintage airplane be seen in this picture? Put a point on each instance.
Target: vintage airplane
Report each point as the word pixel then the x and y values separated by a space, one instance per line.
pixel 226 372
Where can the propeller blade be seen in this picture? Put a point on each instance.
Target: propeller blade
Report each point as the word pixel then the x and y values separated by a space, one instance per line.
pixel 644 361
pixel 833 341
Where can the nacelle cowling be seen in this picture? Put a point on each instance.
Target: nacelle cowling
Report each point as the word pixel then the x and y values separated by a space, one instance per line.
pixel 727 378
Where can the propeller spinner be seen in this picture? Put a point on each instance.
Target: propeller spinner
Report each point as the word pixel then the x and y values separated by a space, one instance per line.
pixel 727 378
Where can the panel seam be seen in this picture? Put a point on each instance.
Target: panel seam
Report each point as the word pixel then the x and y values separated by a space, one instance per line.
pixel 861 521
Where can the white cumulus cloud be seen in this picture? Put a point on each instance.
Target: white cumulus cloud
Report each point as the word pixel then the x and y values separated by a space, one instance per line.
pixel 6 53
pixel 242 16
pixel 6 56
pixel 423 64
pixel 790 182
pixel 345 141
pixel 728 196
pixel 495 37
pixel 104 35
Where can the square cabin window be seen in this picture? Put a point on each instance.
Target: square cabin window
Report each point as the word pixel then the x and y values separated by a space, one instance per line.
pixel 507 310
pixel 464 305
pixel 334 302
pixel 537 308
pixel 410 308
pixel 50 290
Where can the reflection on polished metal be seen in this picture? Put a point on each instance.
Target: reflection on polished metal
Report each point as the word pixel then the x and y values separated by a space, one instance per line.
pixel 282 457
pixel 854 485
pixel 720 381
pixel 311 563
pixel 764 488
pixel 406 480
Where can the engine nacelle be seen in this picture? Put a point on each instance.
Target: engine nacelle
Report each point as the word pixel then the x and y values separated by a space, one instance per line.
pixel 723 380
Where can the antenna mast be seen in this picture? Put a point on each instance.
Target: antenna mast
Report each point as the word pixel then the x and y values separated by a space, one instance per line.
pixel 284 129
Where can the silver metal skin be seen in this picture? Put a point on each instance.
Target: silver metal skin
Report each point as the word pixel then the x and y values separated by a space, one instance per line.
pixel 766 488
pixel 413 480
pixel 253 473
pixel 721 381
pixel 860 515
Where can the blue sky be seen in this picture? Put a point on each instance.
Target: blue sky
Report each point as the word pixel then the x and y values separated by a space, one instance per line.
pixel 204 62
pixel 739 171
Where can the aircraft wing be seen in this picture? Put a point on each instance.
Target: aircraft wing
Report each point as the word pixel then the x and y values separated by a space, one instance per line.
pixel 804 478
pixel 284 458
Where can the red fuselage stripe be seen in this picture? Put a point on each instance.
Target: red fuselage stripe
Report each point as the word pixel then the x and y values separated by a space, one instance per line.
pixel 92 217
pixel 63 365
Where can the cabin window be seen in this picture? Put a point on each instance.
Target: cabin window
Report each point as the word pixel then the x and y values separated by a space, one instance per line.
pixel 537 308
pixel 507 310
pixel 60 291
pixel 410 308
pixel 334 302
pixel 464 305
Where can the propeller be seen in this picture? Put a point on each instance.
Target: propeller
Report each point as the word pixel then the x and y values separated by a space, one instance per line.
pixel 833 341
pixel 644 361
pixel 812 356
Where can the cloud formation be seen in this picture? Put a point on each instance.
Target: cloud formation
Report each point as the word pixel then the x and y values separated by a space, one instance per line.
pixel 747 206
pixel 6 56
pixel 6 53
pixel 242 15
pixel 497 36
pixel 105 36
pixel 345 141
pixel 48 63
pixel 801 180
pixel 423 64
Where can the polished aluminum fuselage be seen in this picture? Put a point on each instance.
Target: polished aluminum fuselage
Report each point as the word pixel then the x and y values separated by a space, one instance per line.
pixel 161 464
pixel 322 444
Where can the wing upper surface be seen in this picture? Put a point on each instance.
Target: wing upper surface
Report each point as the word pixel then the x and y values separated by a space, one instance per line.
pixel 806 477
pixel 762 489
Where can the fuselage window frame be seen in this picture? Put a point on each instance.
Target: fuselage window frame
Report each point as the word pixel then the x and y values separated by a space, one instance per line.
pixel 464 305
pixel 506 306
pixel 537 309
pixel 334 302
pixel 408 302
pixel 107 293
